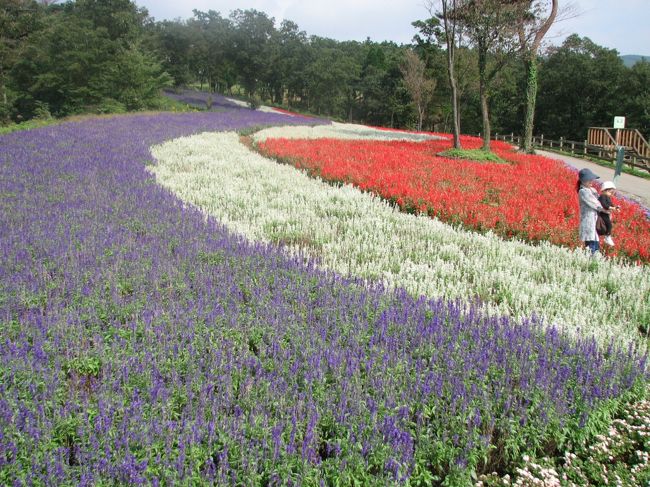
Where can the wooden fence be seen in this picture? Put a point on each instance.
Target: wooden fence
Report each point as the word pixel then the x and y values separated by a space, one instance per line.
pixel 582 149
pixel 631 139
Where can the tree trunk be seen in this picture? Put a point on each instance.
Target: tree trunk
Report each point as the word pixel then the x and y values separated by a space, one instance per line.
pixel 531 98
pixel 455 115
pixel 530 63
pixel 350 112
pixel 4 96
pixel 485 113
pixel 4 117
pixel 450 35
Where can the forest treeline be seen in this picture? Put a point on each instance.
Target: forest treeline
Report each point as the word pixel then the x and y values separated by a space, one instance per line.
pixel 58 59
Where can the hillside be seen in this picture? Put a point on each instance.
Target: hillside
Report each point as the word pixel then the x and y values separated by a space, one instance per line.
pixel 631 59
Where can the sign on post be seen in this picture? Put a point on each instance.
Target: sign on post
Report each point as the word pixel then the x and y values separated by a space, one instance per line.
pixel 620 155
pixel 619 123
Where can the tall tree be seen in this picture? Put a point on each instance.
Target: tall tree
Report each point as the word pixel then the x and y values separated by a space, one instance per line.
pixel 212 52
pixel 294 59
pixel 173 43
pixel 419 86
pixel 333 77
pixel 251 43
pixel 395 101
pixel 533 26
pixel 489 25
pixel 371 96
pixel 453 36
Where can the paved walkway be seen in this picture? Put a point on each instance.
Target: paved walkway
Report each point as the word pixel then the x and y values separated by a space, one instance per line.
pixel 633 187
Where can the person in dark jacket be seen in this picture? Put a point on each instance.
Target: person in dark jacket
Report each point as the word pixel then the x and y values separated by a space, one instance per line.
pixel 605 198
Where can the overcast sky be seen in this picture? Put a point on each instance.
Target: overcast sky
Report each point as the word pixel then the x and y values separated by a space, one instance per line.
pixel 623 25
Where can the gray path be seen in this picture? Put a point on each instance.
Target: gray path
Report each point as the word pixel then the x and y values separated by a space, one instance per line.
pixel 633 187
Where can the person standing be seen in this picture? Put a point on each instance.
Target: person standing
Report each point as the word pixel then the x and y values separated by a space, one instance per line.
pixel 589 209
pixel 605 198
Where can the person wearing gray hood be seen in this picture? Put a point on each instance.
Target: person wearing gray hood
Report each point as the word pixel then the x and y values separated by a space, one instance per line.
pixel 589 209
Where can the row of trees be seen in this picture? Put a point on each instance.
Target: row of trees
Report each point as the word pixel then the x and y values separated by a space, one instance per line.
pixel 107 55
pixel 245 52
pixel 87 55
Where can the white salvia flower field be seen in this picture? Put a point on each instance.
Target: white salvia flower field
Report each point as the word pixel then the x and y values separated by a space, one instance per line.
pixel 358 234
pixel 337 130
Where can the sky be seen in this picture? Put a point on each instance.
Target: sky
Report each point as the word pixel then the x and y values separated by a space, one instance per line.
pixel 623 25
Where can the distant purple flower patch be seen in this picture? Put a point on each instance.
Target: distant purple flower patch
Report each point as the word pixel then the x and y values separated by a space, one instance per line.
pixel 140 342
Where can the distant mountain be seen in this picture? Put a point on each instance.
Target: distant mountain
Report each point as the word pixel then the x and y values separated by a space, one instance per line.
pixel 631 59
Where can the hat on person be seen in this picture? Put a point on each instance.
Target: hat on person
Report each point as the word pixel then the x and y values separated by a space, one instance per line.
pixel 585 175
pixel 607 185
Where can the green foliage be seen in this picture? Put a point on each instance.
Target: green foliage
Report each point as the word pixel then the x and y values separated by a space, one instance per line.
pixel 254 103
pixel 42 111
pixel 166 104
pixel 107 57
pixel 121 19
pixel 252 33
pixel 87 60
pixel 66 431
pixel 173 43
pixel 28 125
pixel 479 155
pixel 84 366
pixel 610 449
pixel 580 86
pixel 110 105
pixel 18 19
pixel 637 98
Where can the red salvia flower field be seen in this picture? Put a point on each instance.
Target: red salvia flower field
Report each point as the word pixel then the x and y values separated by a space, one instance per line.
pixel 529 197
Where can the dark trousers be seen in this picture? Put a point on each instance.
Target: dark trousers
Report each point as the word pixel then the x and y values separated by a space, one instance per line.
pixel 593 245
pixel 608 223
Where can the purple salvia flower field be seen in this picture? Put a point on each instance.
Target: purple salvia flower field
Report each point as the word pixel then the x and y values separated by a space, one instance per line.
pixel 141 343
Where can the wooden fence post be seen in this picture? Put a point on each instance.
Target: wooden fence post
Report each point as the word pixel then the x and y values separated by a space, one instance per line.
pixel 585 148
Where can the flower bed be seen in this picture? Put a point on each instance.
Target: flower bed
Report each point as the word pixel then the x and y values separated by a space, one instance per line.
pixel 357 234
pixel 532 197
pixel 142 342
